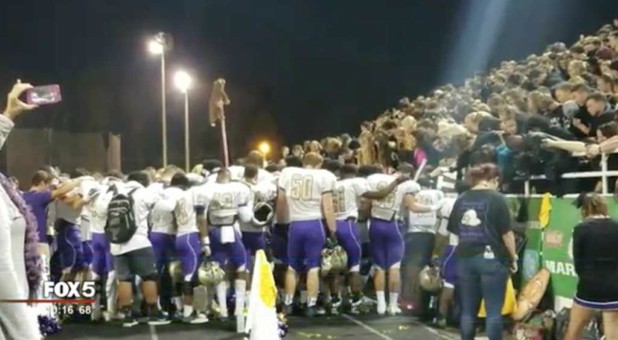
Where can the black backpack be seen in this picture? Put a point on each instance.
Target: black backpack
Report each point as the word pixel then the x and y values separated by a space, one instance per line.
pixel 121 225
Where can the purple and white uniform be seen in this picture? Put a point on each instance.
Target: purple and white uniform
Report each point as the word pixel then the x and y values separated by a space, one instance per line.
pixel 449 260
pixel 224 203
pixel 163 232
pixel 87 188
pixel 307 236
pixel 188 245
pixel 69 238
pixel 385 240
pixel 346 200
pixel 99 198
pixel 253 237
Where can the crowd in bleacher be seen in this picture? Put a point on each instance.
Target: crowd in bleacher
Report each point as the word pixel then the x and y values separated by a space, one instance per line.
pixel 517 115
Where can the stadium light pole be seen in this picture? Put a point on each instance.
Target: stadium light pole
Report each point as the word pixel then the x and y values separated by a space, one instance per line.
pixel 157 46
pixel 183 82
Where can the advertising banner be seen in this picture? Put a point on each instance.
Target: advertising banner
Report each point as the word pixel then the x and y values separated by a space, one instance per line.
pixel 557 253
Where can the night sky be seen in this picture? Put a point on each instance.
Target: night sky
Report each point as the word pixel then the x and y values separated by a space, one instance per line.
pixel 295 69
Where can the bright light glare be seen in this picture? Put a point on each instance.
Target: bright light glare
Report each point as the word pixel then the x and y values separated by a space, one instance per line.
pixel 264 148
pixel 155 47
pixel 182 80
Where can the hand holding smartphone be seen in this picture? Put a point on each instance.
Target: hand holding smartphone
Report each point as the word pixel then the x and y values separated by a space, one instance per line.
pixel 44 95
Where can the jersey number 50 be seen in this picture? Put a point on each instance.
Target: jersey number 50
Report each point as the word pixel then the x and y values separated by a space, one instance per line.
pixel 302 187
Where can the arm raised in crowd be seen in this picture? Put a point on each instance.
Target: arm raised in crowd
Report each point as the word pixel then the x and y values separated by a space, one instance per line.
pixel 13 316
pixel 382 193
pixel 65 188
pixel 14 108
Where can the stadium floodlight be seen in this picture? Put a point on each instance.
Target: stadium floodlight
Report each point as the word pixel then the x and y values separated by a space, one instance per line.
pixel 183 81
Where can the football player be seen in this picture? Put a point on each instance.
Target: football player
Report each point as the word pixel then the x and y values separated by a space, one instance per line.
pixel 305 198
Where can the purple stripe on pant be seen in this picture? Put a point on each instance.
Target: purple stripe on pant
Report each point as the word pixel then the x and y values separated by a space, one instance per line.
pixel 188 248
pixel 348 237
pixel 306 239
pixel 449 266
pixel 70 245
pixel 164 247
pixel 385 243
pixel 234 252
pixel 102 260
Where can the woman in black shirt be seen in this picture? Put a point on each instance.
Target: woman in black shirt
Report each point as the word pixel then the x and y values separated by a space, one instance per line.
pixel 596 264
pixel 486 252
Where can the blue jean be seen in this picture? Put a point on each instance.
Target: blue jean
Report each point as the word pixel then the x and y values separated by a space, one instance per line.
pixel 481 278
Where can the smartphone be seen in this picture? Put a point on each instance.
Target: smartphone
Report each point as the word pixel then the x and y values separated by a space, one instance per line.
pixel 44 95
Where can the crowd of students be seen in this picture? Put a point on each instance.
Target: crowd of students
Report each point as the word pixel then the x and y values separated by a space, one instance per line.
pixel 567 93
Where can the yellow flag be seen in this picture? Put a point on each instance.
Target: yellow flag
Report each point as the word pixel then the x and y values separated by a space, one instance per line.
pixel 268 290
pixel 262 320
pixel 510 301
pixel 545 210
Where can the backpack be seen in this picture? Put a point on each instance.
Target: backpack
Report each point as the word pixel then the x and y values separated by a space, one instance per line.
pixel 121 225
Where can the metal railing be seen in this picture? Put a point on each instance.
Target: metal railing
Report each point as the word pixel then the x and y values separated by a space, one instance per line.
pixel 603 174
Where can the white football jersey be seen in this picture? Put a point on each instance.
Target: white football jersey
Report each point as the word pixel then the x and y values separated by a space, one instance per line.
pixel 346 196
pixel 445 213
pixel 184 212
pixel 162 215
pixel 99 199
pixel 86 189
pixel 237 172
pixel 261 192
pixel 222 200
pixel 89 194
pixel 391 204
pixel 265 191
pixel 425 222
pixel 66 212
pixel 303 189
pixel 156 188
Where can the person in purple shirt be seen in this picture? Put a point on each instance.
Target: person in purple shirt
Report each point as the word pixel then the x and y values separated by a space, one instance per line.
pixel 39 196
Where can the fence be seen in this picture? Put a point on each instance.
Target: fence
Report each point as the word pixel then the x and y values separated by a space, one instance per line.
pixel 29 149
pixel 551 247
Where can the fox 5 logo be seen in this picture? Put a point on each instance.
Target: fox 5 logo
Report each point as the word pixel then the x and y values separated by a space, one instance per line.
pixel 69 290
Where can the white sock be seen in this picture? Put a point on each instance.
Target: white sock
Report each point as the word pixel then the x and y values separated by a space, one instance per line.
pixel 97 302
pixel 200 298
pixel 222 297
pixel 111 289
pixel 381 301
pixel 239 287
pixel 289 299
pixel 392 299
pixel 303 296
pixel 187 310
pixel 312 301
pixel 177 300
